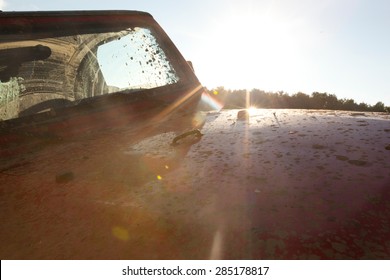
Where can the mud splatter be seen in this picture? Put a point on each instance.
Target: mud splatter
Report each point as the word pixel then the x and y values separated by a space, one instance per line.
pixel 358 162
pixel 318 147
pixel 343 158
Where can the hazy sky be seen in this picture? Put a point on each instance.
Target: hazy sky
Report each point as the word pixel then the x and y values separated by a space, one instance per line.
pixel 335 46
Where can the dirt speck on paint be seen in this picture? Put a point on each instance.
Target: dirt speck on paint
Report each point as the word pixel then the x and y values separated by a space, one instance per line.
pixel 343 158
pixel 318 147
pixel 358 162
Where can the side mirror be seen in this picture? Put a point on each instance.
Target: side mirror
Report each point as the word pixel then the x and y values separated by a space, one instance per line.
pixel 190 64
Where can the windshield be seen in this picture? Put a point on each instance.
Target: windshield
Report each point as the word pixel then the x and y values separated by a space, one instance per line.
pixel 37 74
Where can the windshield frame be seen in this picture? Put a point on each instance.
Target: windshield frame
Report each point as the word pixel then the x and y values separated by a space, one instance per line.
pixel 18 26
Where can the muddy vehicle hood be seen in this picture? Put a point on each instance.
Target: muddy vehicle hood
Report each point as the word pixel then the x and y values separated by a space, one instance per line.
pixel 268 184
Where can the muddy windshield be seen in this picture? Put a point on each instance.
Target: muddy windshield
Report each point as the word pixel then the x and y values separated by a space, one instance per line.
pixel 38 73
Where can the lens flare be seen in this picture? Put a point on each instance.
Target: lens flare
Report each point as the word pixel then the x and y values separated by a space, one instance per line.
pixel 211 101
pixel 252 110
pixel 120 233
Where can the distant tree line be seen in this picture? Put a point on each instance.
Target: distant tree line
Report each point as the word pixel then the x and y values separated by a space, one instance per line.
pixel 261 99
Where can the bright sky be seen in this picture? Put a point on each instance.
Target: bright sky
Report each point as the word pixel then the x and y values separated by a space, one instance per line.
pixel 335 46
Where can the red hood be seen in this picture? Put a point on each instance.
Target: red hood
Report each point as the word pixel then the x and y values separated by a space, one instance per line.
pixel 277 184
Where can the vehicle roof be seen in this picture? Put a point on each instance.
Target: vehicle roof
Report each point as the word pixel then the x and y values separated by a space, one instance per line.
pixel 72 12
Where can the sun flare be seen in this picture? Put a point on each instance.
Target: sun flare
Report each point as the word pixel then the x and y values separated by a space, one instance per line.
pixel 251 50
pixel 252 110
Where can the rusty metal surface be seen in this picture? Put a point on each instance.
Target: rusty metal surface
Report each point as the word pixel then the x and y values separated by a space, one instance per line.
pixel 274 184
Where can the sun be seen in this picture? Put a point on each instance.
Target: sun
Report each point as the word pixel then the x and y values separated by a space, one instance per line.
pixel 249 50
pixel 252 110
